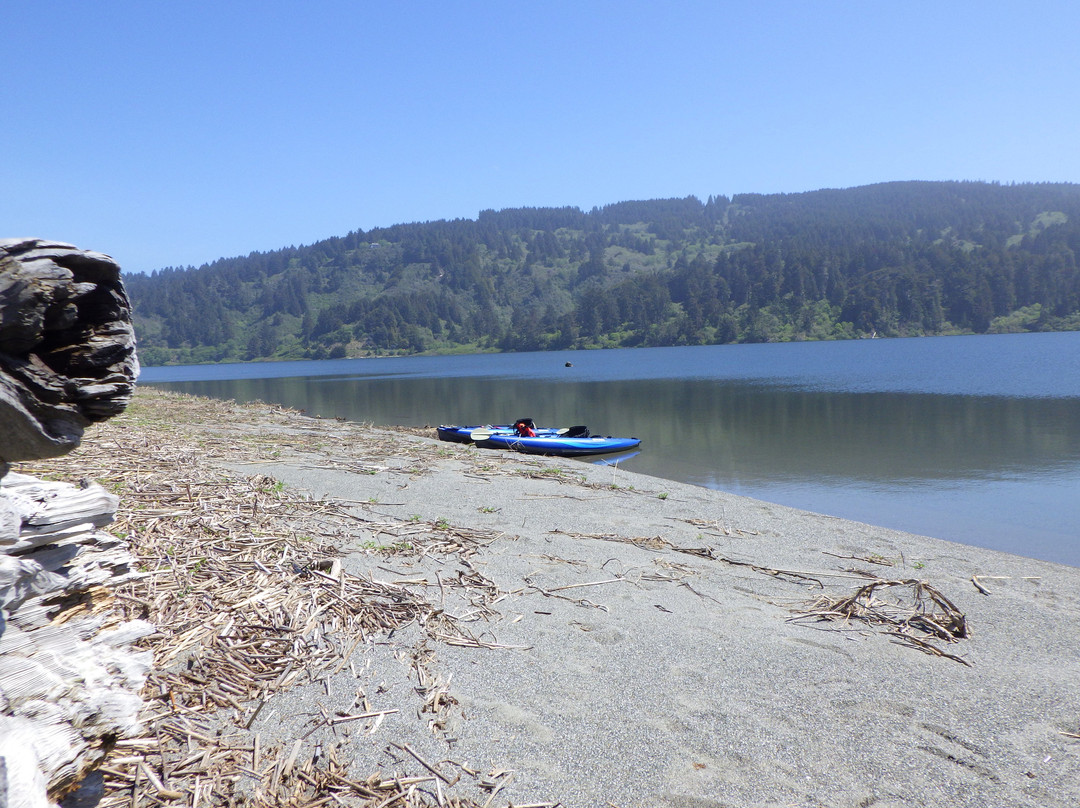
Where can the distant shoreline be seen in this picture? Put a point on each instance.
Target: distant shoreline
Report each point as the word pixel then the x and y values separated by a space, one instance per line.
pixel 452 352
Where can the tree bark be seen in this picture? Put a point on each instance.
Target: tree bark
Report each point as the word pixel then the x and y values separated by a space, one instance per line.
pixel 67 346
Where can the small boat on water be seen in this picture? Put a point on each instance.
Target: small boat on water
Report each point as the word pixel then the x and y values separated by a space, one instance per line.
pixel 574 441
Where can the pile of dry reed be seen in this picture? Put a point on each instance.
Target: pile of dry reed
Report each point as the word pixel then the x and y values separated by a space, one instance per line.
pixel 910 611
pixel 244 581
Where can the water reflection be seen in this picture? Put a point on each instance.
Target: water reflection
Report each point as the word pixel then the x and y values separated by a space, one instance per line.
pixel 725 433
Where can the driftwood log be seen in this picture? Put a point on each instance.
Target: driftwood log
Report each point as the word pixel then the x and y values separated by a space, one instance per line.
pixel 70 681
pixel 67 346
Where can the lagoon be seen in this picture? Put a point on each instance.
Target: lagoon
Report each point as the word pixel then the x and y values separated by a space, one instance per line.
pixel 973 439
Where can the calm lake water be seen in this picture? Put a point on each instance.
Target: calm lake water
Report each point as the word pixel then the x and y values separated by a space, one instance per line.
pixel 973 439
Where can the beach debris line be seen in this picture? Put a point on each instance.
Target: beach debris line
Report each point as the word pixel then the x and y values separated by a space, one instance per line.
pixel 243 578
pixel 660 543
pixel 716 527
pixel 897 606
pixel 871 558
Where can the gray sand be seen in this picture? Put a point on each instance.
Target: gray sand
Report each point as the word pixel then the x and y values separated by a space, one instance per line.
pixel 671 679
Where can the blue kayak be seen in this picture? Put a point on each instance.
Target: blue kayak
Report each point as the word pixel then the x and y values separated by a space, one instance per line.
pixel 559 445
pixel 464 434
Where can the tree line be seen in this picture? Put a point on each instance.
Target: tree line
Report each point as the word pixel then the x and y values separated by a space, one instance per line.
pixel 893 259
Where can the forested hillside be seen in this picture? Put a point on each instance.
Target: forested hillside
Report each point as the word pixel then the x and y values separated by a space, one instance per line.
pixel 895 259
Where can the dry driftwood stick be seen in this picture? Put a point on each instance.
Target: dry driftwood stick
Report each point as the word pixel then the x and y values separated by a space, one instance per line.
pixel 922 645
pixel 869 559
pixel 429 766
pixel 588 583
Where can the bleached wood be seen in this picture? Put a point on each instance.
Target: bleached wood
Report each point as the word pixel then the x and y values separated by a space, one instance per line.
pixel 67 682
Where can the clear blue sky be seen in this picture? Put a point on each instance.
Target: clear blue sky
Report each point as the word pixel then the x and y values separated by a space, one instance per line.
pixel 174 133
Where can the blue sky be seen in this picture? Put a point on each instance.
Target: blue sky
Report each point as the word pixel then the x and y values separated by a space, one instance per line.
pixel 175 133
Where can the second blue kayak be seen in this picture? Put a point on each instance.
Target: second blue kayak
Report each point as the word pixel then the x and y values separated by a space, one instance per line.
pixel 464 434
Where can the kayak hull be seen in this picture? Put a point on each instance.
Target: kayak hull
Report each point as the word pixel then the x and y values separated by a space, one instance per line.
pixel 559 446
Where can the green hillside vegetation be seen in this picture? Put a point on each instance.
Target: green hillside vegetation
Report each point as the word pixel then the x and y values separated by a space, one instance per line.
pixel 894 259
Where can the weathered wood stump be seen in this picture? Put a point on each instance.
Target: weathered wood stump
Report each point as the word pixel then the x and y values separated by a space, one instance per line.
pixel 70 681
pixel 67 346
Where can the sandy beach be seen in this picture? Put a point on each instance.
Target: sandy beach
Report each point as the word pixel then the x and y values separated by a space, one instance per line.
pixel 591 637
